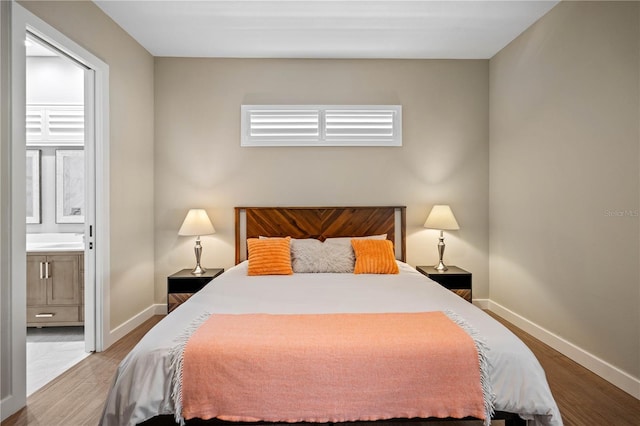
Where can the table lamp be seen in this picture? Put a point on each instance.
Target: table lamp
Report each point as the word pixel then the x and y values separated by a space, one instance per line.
pixel 441 218
pixel 197 223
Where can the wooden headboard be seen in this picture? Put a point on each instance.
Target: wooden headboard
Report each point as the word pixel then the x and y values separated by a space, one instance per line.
pixel 320 223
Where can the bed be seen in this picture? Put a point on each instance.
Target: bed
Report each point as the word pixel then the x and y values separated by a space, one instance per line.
pixel 144 388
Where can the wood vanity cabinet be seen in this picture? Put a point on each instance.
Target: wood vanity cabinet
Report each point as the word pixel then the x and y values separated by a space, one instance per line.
pixel 55 295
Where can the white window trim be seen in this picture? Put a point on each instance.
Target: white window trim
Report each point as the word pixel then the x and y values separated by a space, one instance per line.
pixel 320 136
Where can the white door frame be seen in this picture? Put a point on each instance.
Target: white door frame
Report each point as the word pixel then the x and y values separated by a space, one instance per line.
pixel 14 229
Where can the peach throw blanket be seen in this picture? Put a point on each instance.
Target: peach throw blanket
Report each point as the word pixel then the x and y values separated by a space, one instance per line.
pixel 331 368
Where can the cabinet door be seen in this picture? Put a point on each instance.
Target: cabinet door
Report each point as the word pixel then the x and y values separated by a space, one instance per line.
pixel 64 280
pixel 36 284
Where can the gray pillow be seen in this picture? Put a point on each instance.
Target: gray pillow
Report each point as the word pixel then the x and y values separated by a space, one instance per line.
pixel 311 256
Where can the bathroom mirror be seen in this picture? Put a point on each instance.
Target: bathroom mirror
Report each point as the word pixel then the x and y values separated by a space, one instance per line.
pixel 33 185
pixel 69 186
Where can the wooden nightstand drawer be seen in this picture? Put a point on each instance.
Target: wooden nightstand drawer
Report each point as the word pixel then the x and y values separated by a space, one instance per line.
pixel 455 279
pixel 176 299
pixel 465 294
pixel 183 284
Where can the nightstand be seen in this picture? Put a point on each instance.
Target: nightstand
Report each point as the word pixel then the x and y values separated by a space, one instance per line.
pixel 455 279
pixel 183 284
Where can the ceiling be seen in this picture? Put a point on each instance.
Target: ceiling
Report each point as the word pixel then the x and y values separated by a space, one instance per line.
pixel 449 29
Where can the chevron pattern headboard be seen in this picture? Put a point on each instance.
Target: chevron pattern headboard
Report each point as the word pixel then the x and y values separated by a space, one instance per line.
pixel 320 223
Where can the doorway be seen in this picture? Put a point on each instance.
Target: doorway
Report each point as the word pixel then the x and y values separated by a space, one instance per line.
pixel 55 210
pixel 13 226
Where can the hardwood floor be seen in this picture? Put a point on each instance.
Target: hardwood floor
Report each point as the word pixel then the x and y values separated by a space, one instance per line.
pixel 583 397
pixel 76 398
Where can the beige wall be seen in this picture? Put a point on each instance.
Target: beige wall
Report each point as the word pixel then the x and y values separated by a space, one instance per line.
pixel 564 185
pixel 199 161
pixel 131 148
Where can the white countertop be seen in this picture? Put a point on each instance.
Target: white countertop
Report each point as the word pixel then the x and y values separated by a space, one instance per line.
pixel 55 242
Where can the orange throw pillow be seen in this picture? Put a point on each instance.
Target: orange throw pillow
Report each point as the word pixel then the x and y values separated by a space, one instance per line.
pixel 271 256
pixel 374 257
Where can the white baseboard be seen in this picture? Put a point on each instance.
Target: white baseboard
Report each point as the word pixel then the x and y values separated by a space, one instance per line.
pixel 10 405
pixel 127 327
pixel 160 309
pixel 481 303
pixel 610 373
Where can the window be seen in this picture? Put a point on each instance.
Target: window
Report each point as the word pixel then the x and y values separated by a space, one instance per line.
pixel 321 125
pixel 55 125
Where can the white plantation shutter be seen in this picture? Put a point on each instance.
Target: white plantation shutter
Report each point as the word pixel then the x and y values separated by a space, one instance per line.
pixel 284 124
pixel 55 125
pixel 65 124
pixel 321 125
pixel 35 123
pixel 360 125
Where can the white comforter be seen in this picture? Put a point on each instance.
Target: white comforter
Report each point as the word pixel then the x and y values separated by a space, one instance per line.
pixel 141 388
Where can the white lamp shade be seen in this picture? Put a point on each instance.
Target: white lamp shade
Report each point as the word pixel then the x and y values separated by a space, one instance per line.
pixel 442 218
pixel 196 223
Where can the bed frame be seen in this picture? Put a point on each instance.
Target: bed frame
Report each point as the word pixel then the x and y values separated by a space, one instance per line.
pixel 322 223
pixel 327 222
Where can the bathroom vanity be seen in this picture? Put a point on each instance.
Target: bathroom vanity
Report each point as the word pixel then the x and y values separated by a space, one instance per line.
pixel 55 283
